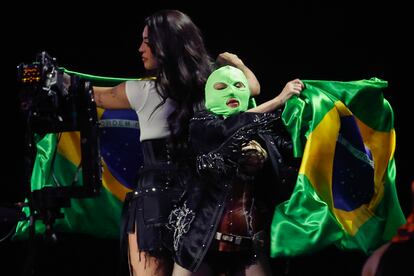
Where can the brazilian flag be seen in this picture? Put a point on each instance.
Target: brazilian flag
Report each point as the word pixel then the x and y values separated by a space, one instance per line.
pixel 57 164
pixel 345 191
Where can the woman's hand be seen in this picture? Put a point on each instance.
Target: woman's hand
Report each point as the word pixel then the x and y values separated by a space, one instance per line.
pixel 227 58
pixel 291 88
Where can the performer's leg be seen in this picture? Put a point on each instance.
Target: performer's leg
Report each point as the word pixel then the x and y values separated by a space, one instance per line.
pixel 142 264
pixel 253 270
pixel 371 265
pixel 204 270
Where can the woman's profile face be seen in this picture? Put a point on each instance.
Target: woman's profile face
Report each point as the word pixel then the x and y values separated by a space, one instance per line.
pixel 150 63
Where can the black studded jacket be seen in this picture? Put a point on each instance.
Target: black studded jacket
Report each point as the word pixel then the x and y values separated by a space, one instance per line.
pixel 217 144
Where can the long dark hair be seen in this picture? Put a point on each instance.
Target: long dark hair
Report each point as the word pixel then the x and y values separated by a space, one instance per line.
pixel 183 65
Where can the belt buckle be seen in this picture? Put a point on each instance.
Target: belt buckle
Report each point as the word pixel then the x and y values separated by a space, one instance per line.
pixel 228 238
pixel 238 240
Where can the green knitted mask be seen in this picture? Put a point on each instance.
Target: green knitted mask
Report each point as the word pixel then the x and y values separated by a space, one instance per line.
pixel 227 91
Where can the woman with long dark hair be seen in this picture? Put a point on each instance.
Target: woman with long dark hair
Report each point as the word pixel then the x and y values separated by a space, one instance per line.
pixel 173 51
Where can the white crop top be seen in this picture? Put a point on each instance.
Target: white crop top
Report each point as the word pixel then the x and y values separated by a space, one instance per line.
pixel 143 98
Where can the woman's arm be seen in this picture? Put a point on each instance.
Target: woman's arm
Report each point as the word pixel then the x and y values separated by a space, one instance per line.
pixel 291 88
pixel 111 97
pixel 227 58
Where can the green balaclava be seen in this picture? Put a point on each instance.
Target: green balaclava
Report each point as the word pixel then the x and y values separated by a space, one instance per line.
pixel 227 91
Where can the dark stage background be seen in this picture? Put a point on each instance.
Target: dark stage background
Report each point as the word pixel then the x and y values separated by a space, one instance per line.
pixel 279 42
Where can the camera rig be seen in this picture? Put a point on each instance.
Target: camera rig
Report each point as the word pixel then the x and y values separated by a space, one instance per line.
pixel 53 102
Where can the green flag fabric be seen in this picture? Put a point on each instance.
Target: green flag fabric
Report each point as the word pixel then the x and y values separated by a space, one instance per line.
pixel 345 192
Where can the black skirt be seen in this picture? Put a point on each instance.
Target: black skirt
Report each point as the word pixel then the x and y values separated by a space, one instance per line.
pixel 161 184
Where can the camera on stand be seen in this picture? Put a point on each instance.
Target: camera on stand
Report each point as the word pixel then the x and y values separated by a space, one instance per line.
pixel 53 101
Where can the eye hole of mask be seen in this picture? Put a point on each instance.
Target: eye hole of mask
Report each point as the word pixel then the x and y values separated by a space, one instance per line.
pixel 220 86
pixel 239 84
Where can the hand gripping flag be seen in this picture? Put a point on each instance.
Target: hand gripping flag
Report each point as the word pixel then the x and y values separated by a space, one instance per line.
pixel 345 191
pixel 120 150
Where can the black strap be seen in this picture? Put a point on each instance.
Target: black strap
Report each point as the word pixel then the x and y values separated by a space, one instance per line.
pixel 234 239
